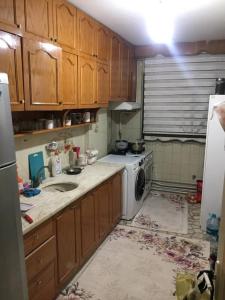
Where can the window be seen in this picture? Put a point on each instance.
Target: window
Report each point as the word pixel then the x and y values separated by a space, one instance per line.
pixel 176 94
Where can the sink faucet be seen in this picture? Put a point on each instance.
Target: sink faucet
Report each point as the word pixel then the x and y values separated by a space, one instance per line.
pixel 37 180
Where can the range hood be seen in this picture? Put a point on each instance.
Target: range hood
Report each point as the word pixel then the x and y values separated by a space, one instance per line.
pixel 127 106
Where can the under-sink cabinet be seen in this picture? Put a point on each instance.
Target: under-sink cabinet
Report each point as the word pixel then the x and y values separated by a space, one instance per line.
pixel 57 249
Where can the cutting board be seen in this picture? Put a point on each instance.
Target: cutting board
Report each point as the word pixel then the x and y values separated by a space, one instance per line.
pixel 36 161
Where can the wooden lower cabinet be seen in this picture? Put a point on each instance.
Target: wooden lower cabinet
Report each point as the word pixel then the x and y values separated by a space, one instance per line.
pixel 116 198
pixel 57 249
pixel 68 227
pixel 88 226
pixel 102 199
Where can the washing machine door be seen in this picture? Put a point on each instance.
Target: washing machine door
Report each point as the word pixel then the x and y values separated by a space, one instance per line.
pixel 140 184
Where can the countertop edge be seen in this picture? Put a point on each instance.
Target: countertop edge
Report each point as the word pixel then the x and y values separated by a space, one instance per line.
pixel 64 205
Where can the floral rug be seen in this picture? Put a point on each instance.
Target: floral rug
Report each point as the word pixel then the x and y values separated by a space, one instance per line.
pixel 165 212
pixel 137 264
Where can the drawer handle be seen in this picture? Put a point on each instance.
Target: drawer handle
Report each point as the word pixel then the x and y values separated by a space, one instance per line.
pixel 22 101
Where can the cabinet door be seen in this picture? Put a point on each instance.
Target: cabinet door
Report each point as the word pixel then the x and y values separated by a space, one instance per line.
pixel 86 82
pixel 132 75
pixel 69 80
pixel 39 18
pixel 103 210
pixel 86 34
pixel 42 75
pixel 103 43
pixel 67 248
pixel 102 83
pixel 88 234
pixel 65 22
pixel 11 63
pixel 115 68
pixel 116 198
pixel 124 56
pixel 11 15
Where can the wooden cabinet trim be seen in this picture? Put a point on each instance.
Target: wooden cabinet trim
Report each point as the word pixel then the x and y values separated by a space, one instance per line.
pixel 37 260
pixel 39 235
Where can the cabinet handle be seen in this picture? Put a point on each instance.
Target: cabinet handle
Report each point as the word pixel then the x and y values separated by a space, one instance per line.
pixel 22 101
pixel 55 40
pixel 60 103
pixel 51 39
pixel 19 26
pixel 39 282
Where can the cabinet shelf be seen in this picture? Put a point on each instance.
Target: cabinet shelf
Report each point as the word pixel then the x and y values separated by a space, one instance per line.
pixel 36 132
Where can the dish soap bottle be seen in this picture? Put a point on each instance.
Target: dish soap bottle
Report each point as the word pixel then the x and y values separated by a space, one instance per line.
pixel 56 164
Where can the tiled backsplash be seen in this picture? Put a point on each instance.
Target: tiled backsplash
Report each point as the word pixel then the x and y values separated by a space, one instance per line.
pixel 96 136
pixel 177 161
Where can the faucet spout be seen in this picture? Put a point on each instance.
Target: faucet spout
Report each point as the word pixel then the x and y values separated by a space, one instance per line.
pixel 37 180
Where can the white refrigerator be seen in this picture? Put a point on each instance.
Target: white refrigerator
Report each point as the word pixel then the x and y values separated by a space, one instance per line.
pixel 214 165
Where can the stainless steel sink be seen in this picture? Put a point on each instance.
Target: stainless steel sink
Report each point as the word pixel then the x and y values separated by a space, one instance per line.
pixel 60 187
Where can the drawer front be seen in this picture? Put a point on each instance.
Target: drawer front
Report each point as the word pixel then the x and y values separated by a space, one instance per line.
pixel 43 287
pixel 35 239
pixel 40 258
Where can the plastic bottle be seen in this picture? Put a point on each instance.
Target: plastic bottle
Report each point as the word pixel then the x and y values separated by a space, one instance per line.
pixel 212 229
pixel 56 165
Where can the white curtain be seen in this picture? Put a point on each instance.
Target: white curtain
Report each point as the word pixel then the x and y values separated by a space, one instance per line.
pixel 176 94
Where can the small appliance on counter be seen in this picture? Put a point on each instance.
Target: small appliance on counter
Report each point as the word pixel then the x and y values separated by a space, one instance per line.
pixel 137 147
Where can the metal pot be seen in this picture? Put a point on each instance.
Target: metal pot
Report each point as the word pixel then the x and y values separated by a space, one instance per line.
pixel 137 146
pixel 121 144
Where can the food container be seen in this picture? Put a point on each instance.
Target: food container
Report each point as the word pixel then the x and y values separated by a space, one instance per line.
pixel 49 124
pixel 121 144
pixel 87 117
pixel 137 146
pixel 82 160
pixel 91 156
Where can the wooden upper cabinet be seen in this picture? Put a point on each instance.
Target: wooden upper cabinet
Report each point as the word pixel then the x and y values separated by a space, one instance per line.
pixel 86 82
pixel 103 43
pixel 12 15
pixel 102 74
pixel 86 28
pixel 132 74
pixel 11 63
pixel 42 75
pixel 65 22
pixel 69 80
pixel 115 68
pixel 39 18
pixel 124 56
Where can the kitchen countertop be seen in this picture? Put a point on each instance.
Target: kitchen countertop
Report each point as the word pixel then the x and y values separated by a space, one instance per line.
pixel 47 203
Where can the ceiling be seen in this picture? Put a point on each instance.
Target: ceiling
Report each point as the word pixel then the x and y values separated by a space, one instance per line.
pixel 196 20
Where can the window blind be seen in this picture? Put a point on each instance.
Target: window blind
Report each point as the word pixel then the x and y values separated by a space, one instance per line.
pixel 176 93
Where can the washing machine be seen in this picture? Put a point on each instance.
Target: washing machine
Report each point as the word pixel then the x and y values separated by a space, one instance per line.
pixel 133 182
